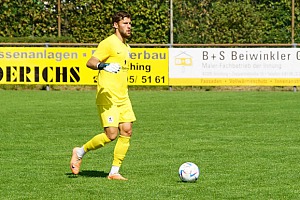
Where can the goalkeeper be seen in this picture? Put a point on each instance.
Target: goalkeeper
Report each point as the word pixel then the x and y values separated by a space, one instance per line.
pixel 111 58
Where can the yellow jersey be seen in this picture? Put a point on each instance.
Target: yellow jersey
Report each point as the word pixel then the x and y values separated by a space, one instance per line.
pixel 112 87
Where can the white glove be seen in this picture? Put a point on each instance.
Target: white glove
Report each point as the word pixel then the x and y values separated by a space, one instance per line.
pixel 112 68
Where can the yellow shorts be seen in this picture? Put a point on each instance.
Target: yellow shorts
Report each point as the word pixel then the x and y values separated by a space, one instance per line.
pixel 112 115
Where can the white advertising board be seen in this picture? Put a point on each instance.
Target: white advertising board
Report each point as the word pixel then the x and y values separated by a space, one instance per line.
pixel 234 66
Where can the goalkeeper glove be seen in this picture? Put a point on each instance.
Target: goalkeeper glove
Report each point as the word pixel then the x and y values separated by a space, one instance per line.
pixel 109 67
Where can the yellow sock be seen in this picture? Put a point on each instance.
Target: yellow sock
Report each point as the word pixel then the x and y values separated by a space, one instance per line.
pixel 96 142
pixel 121 149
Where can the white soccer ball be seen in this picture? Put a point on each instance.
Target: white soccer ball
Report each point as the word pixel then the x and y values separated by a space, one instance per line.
pixel 189 172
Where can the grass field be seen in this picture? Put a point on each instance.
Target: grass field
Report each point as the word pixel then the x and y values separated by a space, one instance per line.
pixel 246 144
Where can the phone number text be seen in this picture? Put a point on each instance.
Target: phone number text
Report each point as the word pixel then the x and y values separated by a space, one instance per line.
pixel 147 79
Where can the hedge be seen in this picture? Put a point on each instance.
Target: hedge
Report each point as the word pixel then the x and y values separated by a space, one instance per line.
pixel 195 21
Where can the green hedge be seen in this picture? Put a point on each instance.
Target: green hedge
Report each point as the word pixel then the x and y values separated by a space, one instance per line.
pixel 239 21
pixel 43 39
pixel 195 21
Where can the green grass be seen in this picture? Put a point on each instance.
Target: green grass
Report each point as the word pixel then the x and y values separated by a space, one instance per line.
pixel 246 145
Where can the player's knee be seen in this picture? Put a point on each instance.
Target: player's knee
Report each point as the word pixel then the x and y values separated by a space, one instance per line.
pixel 111 133
pixel 112 136
pixel 126 130
pixel 127 133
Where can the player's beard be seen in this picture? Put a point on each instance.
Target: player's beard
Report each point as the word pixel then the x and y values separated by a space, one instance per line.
pixel 125 34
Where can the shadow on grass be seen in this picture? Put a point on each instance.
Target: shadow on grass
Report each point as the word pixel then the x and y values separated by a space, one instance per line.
pixel 88 173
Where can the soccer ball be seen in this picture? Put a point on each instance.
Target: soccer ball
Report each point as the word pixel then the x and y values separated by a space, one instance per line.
pixel 189 172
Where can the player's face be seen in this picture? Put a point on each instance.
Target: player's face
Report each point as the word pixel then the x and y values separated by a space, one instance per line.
pixel 124 27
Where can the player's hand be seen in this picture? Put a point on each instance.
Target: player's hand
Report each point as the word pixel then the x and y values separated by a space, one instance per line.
pixel 112 68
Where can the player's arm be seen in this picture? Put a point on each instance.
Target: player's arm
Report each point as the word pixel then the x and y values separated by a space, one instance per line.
pixel 95 64
pixel 92 63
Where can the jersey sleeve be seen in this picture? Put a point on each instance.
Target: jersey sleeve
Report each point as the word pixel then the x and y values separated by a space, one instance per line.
pixel 102 52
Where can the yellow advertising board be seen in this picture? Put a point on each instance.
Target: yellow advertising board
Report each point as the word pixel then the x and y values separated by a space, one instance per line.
pixel 67 66
pixel 149 66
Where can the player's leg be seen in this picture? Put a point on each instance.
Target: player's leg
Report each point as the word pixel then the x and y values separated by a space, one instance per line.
pixel 126 118
pixel 108 117
pixel 120 151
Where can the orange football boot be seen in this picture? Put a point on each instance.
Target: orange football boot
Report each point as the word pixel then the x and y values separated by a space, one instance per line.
pixel 116 177
pixel 75 162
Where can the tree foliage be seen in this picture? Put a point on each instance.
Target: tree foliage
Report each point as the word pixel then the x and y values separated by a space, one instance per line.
pixel 27 18
pixel 222 21
pixel 195 21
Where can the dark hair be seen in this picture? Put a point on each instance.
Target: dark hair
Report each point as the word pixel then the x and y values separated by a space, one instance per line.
pixel 118 16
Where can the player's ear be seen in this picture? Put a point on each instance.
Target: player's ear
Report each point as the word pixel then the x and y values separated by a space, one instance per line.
pixel 116 26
